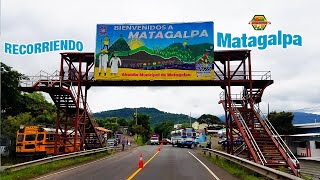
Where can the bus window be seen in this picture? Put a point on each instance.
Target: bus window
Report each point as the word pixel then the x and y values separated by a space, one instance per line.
pixel 50 137
pixel 40 137
pixel 30 137
pixel 20 137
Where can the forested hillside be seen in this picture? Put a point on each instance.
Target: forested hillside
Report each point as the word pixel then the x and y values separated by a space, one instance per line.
pixel 156 116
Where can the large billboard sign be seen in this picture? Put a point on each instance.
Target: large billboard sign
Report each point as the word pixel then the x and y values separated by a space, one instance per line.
pixel 179 51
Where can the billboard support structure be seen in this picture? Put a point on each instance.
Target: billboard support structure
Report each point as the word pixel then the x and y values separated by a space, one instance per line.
pixel 75 127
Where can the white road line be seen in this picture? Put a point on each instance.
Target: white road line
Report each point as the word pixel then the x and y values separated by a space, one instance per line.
pixel 62 171
pixel 205 166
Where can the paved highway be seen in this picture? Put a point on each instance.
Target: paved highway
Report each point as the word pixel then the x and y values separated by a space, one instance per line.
pixel 169 163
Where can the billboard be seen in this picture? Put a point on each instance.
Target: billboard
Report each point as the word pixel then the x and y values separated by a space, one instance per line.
pixel 176 51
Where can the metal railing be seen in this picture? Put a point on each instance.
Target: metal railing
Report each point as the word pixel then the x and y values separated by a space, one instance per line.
pixel 234 97
pixel 248 132
pixel 41 76
pixel 277 136
pixel 258 168
pixel 45 77
pixel 55 158
pixel 242 75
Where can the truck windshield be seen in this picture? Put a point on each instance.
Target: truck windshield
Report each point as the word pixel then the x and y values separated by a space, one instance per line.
pixel 154 138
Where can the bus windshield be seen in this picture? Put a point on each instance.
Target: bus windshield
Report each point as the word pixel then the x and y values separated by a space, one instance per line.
pixel 40 137
pixel 30 137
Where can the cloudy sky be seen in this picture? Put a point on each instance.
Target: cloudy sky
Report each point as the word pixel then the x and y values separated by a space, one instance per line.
pixel 295 70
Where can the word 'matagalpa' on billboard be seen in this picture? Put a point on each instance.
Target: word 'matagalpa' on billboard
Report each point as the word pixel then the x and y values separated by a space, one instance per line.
pixel 180 51
pixel 157 31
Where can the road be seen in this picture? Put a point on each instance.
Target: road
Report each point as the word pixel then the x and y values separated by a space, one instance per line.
pixel 169 163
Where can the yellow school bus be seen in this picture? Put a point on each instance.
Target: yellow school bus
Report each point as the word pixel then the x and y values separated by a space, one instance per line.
pixel 39 141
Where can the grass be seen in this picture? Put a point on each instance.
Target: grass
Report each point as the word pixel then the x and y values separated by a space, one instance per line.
pixel 306 177
pixel 139 140
pixel 235 169
pixel 34 171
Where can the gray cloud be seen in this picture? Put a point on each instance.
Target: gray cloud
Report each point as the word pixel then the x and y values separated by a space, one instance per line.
pixel 295 69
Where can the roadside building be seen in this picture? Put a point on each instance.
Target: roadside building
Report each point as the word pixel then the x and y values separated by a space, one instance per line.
pixel 177 126
pixel 197 126
pixel 306 142
pixel 123 129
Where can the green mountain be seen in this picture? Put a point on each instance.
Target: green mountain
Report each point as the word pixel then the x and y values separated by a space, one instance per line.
pixel 156 116
pixel 120 45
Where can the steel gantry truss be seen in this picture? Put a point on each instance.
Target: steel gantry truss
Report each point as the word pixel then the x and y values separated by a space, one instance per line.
pixel 75 129
pixel 249 133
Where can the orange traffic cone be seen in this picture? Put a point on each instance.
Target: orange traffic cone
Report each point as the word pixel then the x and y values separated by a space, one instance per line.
pixel 158 148
pixel 140 162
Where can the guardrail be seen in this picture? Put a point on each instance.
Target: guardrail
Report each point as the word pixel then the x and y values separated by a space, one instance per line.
pixel 263 170
pixel 54 158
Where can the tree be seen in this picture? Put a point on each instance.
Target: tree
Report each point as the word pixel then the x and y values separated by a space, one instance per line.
pixel 10 95
pixel 282 122
pixel 111 126
pixel 140 125
pixel 99 122
pixel 164 128
pixel 21 108
pixel 209 119
pixel 122 122
pixel 11 124
pixel 111 123
pixel 185 125
pixel 38 106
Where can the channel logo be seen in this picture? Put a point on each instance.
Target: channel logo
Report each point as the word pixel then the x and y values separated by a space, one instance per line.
pixel 259 22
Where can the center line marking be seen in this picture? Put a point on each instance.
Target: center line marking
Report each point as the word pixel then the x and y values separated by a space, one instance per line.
pixel 205 166
pixel 138 170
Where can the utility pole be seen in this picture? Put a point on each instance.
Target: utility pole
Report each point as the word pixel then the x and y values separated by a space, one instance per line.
pixel 190 119
pixel 136 116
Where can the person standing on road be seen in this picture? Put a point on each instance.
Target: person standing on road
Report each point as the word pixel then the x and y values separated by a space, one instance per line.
pixel 123 143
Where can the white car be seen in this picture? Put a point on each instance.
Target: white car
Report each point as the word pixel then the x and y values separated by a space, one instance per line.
pixel 111 142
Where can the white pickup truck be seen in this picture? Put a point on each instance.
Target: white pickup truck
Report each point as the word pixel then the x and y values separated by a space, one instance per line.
pixel 154 139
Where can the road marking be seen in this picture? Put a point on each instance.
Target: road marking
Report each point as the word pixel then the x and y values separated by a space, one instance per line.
pixel 151 158
pixel 134 174
pixel 138 170
pixel 110 156
pixel 216 177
